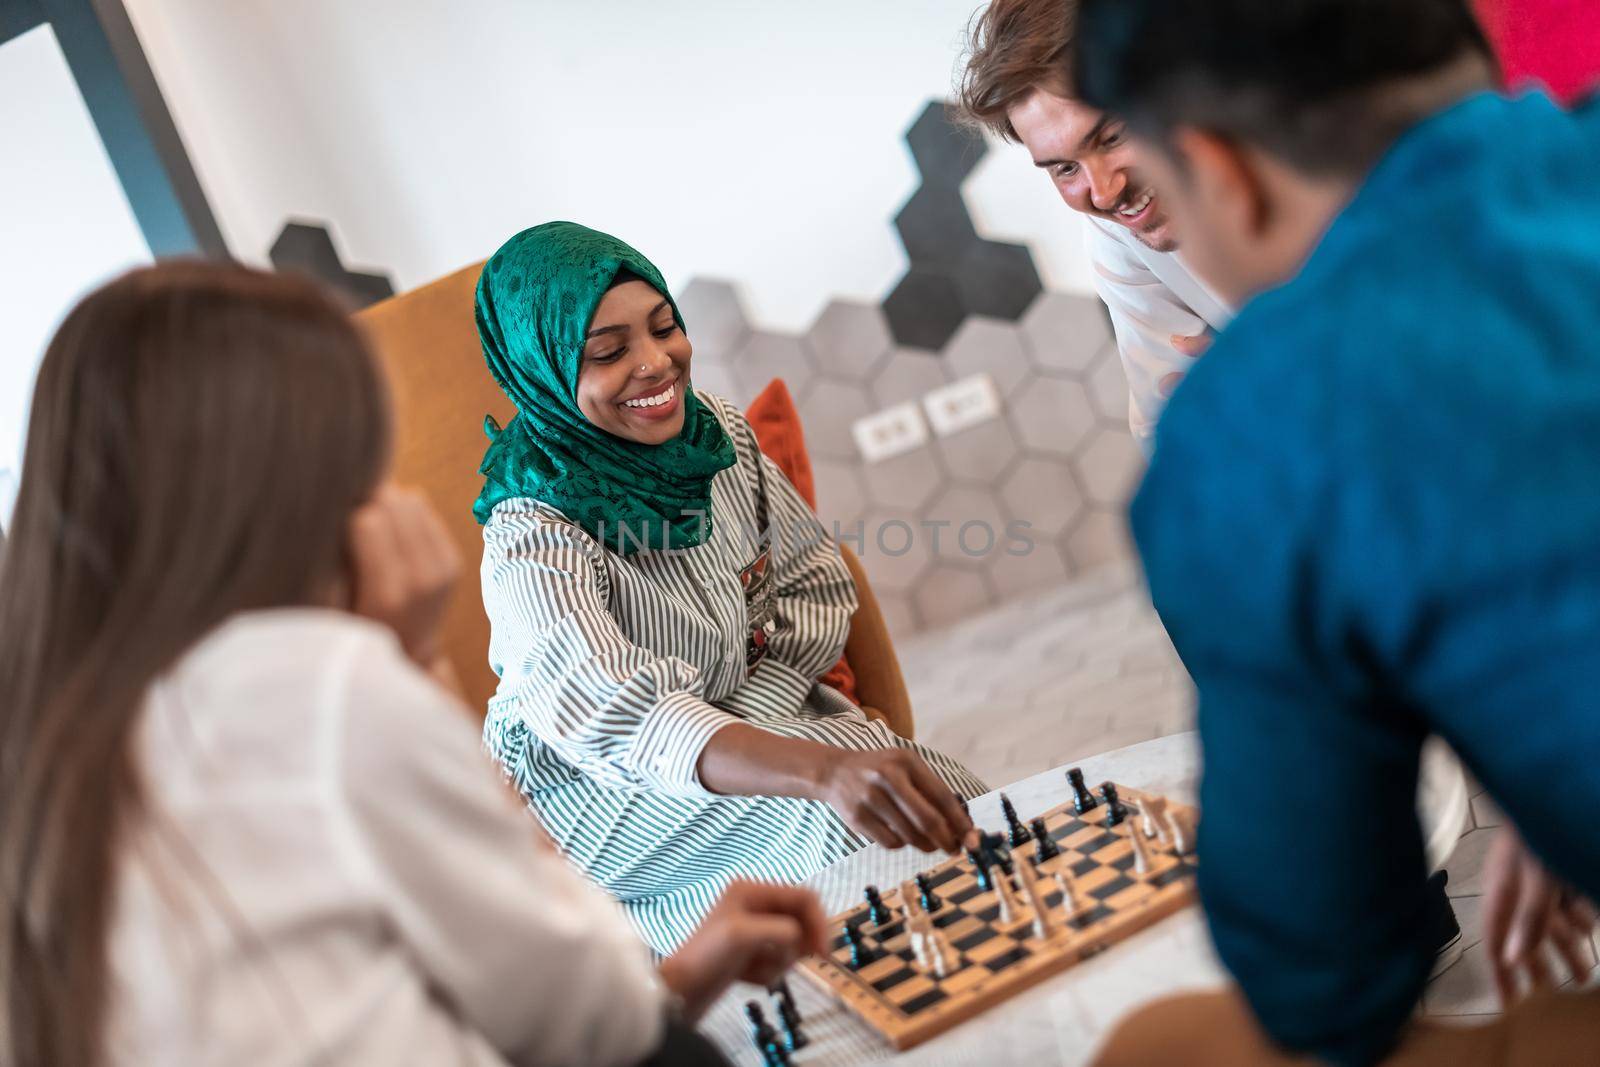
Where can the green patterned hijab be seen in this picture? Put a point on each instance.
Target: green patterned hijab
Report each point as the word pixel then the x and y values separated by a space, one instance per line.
pixel 536 299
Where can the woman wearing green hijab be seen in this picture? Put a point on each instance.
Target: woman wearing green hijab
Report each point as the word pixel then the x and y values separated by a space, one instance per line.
pixel 663 603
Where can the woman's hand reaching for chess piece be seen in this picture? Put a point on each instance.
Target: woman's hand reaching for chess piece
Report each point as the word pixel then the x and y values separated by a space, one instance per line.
pixel 891 796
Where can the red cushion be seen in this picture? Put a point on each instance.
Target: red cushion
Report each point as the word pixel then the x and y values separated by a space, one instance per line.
pixel 1555 43
pixel 776 422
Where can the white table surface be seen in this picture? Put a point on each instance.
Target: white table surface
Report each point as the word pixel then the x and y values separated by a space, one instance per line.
pixel 1063 1019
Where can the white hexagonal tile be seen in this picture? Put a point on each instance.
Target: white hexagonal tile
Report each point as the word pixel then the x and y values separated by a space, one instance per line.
pixel 765 356
pixel 894 548
pixel 948 595
pixel 1053 415
pixel 713 317
pixel 1110 466
pixel 971 525
pixel 1043 493
pixel 1027 569
pixel 829 411
pixel 1108 386
pixel 1100 538
pixel 981 453
pixel 848 339
pixel 1065 332
pixel 841 498
pixel 992 347
pixel 907 374
pixel 907 481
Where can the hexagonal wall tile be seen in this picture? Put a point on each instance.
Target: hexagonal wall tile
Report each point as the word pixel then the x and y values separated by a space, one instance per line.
pixel 981 453
pixel 906 481
pixel 713 317
pixel 935 228
pixel 1110 466
pixel 907 374
pixel 828 413
pixel 1101 537
pixel 972 525
pixel 841 498
pixel 1108 385
pixel 1043 493
pixel 898 614
pixel 718 378
pixel 1036 567
pixel 947 595
pixel 895 551
pixel 765 356
pixel 848 339
pixel 1053 415
pixel 998 280
pixel 924 309
pixel 1065 333
pixel 988 346
pixel 944 152
pixel 307 247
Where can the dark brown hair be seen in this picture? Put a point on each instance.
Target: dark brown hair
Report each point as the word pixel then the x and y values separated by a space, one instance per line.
pixel 199 437
pixel 1013 46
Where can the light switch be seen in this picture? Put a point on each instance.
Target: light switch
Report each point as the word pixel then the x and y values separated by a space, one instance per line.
pixel 955 407
pixel 890 432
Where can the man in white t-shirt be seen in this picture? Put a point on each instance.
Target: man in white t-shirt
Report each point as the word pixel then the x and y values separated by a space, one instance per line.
pixel 1012 85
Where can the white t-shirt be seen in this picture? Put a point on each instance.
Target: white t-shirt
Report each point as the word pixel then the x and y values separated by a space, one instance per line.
pixel 332 873
pixel 1151 296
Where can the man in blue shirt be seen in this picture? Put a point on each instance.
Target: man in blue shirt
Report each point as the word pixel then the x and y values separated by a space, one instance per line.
pixel 1374 509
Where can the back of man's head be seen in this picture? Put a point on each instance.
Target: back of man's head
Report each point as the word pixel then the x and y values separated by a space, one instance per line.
pixel 1319 83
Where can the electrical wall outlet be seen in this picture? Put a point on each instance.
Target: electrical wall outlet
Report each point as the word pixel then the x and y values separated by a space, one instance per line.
pixel 955 407
pixel 890 432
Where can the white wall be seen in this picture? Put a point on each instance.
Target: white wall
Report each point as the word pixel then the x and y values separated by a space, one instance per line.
pixel 65 225
pixel 758 142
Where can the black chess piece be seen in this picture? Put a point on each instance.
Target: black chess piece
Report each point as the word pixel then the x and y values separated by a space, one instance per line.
pixel 926 896
pixel 980 867
pixel 860 954
pixel 994 848
pixel 1115 810
pixel 1082 799
pixel 1044 845
pixel 764 1037
pixel 878 910
pixel 1019 834
pixel 788 1015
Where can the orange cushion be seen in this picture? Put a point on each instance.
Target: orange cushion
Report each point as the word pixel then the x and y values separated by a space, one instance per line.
pixel 776 422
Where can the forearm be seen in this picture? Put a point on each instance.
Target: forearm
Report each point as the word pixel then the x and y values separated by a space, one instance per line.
pixel 745 760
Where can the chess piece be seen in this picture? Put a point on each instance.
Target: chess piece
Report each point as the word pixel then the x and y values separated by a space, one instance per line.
pixel 1141 851
pixel 994 847
pixel 1044 846
pixel 926 896
pixel 918 927
pixel 1007 895
pixel 1019 835
pixel 1155 818
pixel 980 867
pixel 764 1037
pixel 1069 892
pixel 1115 812
pixel 945 960
pixel 1043 927
pixel 1082 800
pixel 1182 832
pixel 860 954
pixel 788 1015
pixel 878 911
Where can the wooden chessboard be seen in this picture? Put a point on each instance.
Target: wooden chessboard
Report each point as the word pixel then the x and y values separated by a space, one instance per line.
pixel 908 1004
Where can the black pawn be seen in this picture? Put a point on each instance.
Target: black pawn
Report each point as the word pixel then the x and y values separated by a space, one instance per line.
pixel 993 846
pixel 1115 812
pixel 764 1037
pixel 860 954
pixel 980 866
pixel 1082 799
pixel 1019 833
pixel 926 896
pixel 1044 845
pixel 789 1016
pixel 879 911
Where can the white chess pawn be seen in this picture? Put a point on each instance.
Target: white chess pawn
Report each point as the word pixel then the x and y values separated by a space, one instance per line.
pixel 1155 816
pixel 1008 897
pixel 1141 851
pixel 1043 927
pixel 1069 892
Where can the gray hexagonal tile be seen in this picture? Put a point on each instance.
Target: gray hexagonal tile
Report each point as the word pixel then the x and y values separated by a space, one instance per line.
pixel 829 411
pixel 1043 493
pixel 848 339
pixel 972 525
pixel 998 280
pixel 947 595
pixel 988 346
pixel 1110 467
pixel 1066 332
pixel 841 498
pixel 924 309
pixel 1101 537
pixel 906 481
pixel 1053 415
pixel 1036 566
pixel 713 317
pixel 944 152
pixel 712 377
pixel 981 453
pixel 1108 385
pixel 765 356
pixel 894 549
pixel 907 374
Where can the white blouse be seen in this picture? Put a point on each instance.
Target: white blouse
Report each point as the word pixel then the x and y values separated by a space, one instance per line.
pixel 329 871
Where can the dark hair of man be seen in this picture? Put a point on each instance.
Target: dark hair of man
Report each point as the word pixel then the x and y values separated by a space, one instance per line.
pixel 1321 84
pixel 1012 47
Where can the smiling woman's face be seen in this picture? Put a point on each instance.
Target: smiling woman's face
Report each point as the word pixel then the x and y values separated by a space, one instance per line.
pixel 635 366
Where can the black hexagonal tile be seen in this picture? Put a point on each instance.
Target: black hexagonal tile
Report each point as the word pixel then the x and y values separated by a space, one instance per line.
pixel 308 247
pixel 944 151
pixel 935 228
pixel 998 280
pixel 924 310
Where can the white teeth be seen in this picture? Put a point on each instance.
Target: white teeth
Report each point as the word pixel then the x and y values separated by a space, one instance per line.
pixel 1134 210
pixel 653 401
